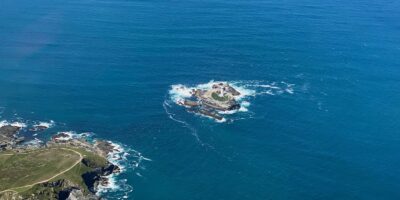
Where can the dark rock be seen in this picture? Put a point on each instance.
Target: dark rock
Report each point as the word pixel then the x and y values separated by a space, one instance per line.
pixel 93 178
pixel 61 190
pixel 77 194
pixel 232 90
pixel 110 169
pixel 105 146
pixel 38 128
pixel 19 140
pixel 210 114
pixel 104 181
pixel 9 131
pixel 190 103
pixel 235 106
pixel 8 137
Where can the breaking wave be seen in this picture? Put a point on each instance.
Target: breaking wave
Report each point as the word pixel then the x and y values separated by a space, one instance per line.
pixel 69 135
pixel 48 124
pixel 127 159
pixel 14 123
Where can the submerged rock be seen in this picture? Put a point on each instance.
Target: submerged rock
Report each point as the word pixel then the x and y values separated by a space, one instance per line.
pixel 38 128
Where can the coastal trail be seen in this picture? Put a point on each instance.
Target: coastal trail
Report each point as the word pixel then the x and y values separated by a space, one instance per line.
pixel 48 179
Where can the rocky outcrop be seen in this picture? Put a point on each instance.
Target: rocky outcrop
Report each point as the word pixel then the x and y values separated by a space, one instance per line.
pixel 61 190
pixel 38 128
pixel 104 147
pixel 8 137
pixel 98 176
pixel 210 114
pixel 190 103
pixel 9 130
pixel 210 101
pixel 77 194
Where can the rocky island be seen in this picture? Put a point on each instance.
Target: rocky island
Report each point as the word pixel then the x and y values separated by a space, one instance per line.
pixel 62 168
pixel 220 97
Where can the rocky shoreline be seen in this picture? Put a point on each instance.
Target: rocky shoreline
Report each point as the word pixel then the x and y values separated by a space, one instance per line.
pixel 9 138
pixel 95 176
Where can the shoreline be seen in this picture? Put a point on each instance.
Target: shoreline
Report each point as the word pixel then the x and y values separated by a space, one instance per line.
pixel 98 179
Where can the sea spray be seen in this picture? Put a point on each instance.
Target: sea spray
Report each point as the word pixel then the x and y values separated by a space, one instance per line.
pixel 127 159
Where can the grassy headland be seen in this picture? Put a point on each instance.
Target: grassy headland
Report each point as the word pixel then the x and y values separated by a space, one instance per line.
pixel 45 173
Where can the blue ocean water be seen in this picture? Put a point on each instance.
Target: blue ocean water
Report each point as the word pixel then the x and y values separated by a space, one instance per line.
pixel 107 67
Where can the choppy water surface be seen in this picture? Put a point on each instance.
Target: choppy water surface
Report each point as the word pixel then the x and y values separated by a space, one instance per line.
pixel 320 119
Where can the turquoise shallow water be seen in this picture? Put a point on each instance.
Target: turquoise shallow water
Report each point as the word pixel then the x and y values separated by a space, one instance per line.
pixel 107 67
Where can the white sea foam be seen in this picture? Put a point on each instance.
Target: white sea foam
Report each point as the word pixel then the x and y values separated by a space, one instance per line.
pixel 111 185
pixel 243 106
pixel 227 112
pixel 179 92
pixel 48 124
pixel 221 120
pixel 3 123
pixel 126 159
pixel 69 135
pixel 16 124
pixel 34 142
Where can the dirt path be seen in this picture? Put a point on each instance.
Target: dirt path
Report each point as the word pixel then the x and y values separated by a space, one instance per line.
pixel 43 181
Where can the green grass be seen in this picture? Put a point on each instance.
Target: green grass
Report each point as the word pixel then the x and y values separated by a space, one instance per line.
pixel 215 96
pixel 21 169
pixel 24 169
pixel 75 174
